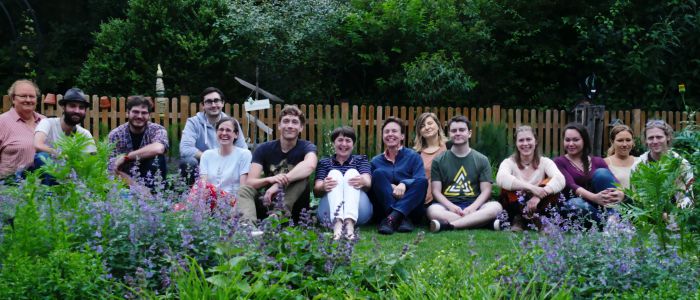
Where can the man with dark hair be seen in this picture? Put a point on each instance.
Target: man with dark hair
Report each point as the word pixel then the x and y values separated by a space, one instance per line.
pixel 199 134
pixel 287 164
pixel 461 184
pixel 139 143
pixel 75 104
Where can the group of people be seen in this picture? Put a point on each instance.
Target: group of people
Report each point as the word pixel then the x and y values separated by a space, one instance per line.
pixel 441 180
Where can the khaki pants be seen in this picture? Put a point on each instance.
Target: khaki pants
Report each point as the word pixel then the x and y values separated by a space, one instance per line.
pixel 250 204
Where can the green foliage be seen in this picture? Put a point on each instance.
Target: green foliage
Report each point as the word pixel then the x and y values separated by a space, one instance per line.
pixel 61 274
pixel 653 186
pixel 432 77
pixel 178 35
pixel 492 141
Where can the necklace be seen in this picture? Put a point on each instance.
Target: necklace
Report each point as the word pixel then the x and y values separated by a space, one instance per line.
pixel 578 166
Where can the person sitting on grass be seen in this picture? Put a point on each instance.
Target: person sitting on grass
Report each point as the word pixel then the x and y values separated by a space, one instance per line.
pixel 430 142
pixel 530 183
pixel 462 184
pixel 139 144
pixel 398 181
pixel 590 186
pixel 343 180
pixel 286 164
pixel 224 169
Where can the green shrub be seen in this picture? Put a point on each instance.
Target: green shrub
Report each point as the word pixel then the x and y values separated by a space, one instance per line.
pixel 62 274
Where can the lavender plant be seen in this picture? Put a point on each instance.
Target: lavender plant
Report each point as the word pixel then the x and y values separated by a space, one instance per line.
pixel 600 264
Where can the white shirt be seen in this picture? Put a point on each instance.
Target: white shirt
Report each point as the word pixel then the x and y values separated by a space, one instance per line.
pixel 224 172
pixel 52 128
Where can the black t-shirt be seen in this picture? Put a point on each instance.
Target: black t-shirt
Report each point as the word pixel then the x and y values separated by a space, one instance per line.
pixel 136 139
pixel 273 161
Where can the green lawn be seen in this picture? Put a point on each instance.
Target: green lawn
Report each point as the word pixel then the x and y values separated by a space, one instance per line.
pixel 488 245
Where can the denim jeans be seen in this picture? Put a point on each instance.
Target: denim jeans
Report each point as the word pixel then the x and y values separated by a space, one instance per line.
pixel 410 205
pixel 602 179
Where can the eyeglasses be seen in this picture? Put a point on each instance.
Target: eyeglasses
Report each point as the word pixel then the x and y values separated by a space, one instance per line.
pixel 212 101
pixel 25 97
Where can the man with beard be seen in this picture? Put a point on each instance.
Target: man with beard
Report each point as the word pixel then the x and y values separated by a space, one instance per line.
pixel 199 134
pixel 75 104
pixel 140 145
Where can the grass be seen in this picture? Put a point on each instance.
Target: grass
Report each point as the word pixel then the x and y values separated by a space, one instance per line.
pixel 487 244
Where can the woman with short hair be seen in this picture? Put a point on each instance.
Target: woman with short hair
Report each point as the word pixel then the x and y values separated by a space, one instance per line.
pixel 342 180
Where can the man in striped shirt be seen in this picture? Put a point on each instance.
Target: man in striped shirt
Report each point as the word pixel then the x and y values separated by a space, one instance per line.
pixel 17 128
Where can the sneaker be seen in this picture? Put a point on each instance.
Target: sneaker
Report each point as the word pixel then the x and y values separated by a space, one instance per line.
pixel 435 225
pixel 406 225
pixel 497 225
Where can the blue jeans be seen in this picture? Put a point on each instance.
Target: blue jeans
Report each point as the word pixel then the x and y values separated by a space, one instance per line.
pixel 601 180
pixel 39 158
pixel 364 213
pixel 410 205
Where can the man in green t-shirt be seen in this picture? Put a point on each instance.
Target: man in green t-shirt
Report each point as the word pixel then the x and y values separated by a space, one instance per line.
pixel 461 184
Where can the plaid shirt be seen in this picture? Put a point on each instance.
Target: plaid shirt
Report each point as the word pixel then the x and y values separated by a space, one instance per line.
pixel 121 138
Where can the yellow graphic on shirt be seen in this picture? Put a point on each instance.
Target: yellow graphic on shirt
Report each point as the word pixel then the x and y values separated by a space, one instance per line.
pixel 461 185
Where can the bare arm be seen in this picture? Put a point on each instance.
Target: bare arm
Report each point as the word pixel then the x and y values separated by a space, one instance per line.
pixel 148 151
pixel 254 179
pixel 304 168
pixel 40 143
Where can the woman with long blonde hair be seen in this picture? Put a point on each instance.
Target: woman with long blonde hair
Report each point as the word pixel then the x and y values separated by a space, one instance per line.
pixel 430 141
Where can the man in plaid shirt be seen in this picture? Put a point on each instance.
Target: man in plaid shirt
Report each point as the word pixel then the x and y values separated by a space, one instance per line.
pixel 140 145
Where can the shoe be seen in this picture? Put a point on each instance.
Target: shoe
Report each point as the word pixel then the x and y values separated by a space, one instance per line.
pixel 406 225
pixel 435 225
pixel 518 225
pixel 497 225
pixel 390 223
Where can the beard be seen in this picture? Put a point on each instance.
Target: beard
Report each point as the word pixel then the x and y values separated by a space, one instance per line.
pixel 73 119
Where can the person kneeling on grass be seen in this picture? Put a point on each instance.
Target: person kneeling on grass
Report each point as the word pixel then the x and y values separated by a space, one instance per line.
pixel 461 184
pixel 342 180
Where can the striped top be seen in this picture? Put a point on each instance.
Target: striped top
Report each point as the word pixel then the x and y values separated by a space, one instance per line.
pixel 16 142
pixel 358 162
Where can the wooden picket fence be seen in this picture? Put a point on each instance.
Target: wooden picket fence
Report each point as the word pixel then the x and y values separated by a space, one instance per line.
pixel 365 119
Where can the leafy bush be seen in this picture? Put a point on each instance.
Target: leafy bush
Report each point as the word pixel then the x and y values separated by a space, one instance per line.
pixel 61 274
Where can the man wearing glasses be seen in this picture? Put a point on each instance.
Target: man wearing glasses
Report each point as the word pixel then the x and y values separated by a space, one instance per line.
pixel 199 134
pixel 17 128
pixel 139 145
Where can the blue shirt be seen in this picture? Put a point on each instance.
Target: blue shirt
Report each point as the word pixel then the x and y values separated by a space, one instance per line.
pixel 356 161
pixel 408 165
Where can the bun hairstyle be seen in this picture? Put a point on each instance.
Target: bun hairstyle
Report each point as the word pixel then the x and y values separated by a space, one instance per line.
pixel 613 133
